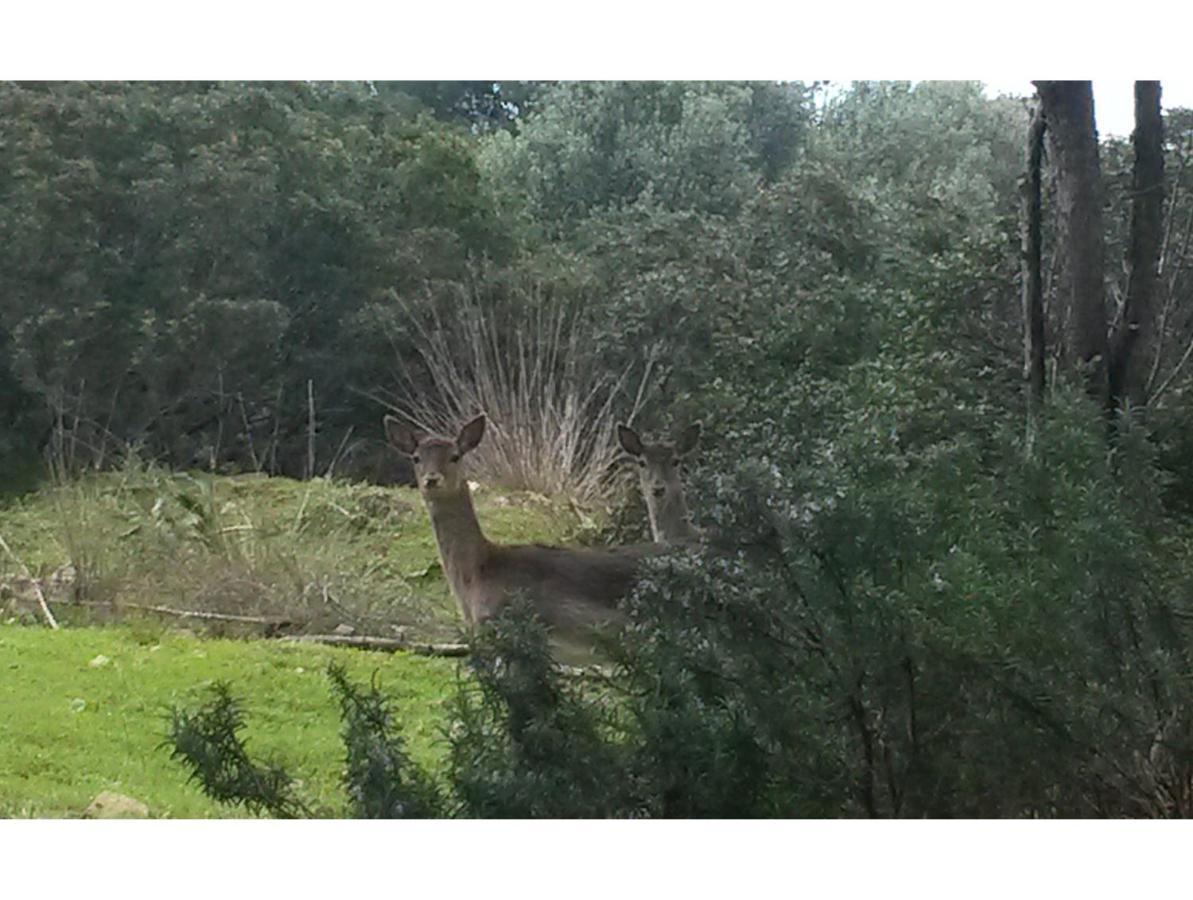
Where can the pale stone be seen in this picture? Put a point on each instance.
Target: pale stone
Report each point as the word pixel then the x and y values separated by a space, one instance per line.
pixel 110 805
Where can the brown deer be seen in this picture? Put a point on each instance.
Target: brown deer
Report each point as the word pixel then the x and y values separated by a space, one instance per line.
pixel 572 589
pixel 658 475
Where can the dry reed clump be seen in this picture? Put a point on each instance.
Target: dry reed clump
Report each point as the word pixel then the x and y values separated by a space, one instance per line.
pixel 527 360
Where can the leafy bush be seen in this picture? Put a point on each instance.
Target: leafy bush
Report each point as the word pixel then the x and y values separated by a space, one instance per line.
pixel 526 742
pixel 382 782
pixel 208 741
pixel 592 146
pixel 961 627
pixel 380 779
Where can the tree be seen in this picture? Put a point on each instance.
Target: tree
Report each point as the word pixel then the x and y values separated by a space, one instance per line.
pixel 482 105
pixel 687 146
pixel 1135 332
pixel 178 261
pixel 1033 292
pixel 1068 108
pixel 1114 365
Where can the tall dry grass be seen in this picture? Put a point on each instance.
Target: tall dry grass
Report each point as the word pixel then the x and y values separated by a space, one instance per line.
pixel 526 359
pixel 314 554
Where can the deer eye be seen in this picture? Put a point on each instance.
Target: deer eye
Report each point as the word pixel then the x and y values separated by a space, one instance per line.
pixel 642 463
pixel 455 457
pixel 414 458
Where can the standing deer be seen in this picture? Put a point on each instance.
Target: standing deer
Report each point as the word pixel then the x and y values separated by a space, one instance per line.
pixel 658 474
pixel 572 589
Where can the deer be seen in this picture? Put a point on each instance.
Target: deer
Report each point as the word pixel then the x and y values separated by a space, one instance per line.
pixel 574 590
pixel 662 489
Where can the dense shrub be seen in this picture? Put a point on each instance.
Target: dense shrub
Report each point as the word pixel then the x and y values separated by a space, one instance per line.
pixel 898 622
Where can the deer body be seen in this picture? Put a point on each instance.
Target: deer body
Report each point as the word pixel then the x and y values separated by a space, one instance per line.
pixel 662 489
pixel 572 589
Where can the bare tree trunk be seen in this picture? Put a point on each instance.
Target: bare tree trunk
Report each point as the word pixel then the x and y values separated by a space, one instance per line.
pixel 1135 335
pixel 1068 108
pixel 310 468
pixel 1033 295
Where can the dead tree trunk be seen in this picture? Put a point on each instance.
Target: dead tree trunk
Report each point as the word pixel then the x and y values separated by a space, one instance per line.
pixel 1133 338
pixel 1068 108
pixel 1033 294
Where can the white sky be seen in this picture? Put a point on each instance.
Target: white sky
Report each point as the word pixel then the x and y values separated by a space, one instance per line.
pixel 1114 99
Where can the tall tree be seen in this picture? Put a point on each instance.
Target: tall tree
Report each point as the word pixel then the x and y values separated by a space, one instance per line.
pixel 1033 294
pixel 1068 108
pixel 1136 327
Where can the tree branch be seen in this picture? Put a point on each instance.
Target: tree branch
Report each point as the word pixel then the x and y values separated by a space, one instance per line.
pixel 41 598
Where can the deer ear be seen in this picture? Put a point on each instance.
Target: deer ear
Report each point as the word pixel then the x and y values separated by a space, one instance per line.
pixel 688 440
pixel 629 440
pixel 471 434
pixel 402 436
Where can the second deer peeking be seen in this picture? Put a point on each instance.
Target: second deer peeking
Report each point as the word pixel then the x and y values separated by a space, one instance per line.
pixel 659 477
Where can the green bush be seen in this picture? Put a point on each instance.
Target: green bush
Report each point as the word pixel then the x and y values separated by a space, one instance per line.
pixel 933 629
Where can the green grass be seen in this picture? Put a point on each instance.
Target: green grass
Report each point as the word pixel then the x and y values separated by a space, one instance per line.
pixel 72 725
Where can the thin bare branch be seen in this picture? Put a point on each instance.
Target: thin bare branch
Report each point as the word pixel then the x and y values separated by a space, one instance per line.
pixel 41 597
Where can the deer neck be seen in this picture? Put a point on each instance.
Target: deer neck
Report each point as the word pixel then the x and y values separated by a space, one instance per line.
pixel 462 546
pixel 669 518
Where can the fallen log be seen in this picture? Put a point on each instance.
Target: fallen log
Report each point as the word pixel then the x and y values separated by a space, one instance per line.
pixel 186 613
pixel 381 644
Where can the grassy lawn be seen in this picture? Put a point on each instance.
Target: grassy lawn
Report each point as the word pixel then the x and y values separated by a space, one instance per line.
pixel 83 710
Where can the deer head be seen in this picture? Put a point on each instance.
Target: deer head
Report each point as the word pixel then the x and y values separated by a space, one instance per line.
pixel 659 475
pixel 437 460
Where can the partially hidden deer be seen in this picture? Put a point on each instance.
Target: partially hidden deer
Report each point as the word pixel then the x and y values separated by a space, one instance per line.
pixel 573 589
pixel 659 477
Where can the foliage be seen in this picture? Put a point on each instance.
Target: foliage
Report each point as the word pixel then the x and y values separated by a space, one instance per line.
pixel 179 260
pixel 526 743
pixel 382 781
pixel 482 105
pixel 959 632
pixel 208 742
pixel 523 743
pixel 592 146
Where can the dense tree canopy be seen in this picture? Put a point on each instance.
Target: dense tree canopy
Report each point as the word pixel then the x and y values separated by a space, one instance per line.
pixel 179 260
